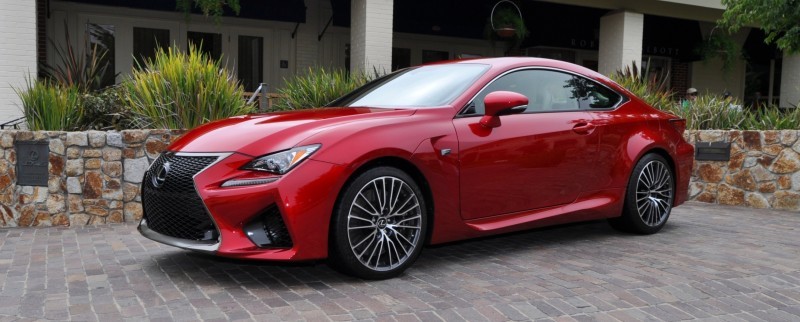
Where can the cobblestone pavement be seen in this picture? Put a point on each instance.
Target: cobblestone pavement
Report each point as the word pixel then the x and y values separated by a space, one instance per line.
pixel 710 262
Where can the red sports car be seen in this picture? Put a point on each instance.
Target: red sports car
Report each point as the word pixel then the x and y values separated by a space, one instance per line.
pixel 425 155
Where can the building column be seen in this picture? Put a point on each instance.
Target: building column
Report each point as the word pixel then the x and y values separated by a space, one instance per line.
pixel 790 80
pixel 18 56
pixel 621 35
pixel 371 35
pixel 307 43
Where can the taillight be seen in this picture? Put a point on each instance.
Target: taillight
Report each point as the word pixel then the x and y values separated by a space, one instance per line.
pixel 679 125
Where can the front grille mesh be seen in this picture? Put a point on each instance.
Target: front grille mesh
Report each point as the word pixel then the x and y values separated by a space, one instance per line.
pixel 175 209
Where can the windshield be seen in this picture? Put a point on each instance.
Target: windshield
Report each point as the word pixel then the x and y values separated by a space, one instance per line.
pixel 434 85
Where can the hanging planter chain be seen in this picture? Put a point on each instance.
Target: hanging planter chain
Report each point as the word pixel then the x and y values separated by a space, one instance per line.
pixel 504 32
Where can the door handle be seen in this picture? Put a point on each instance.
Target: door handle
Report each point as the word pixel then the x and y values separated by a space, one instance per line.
pixel 583 128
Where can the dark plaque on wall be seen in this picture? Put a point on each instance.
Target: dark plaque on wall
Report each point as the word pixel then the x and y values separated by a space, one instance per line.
pixel 32 161
pixel 712 151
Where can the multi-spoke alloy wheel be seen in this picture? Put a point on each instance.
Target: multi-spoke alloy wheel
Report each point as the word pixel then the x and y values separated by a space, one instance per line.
pixel 648 197
pixel 384 223
pixel 654 193
pixel 380 224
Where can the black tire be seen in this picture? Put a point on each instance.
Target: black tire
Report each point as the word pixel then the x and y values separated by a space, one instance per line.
pixel 360 231
pixel 648 197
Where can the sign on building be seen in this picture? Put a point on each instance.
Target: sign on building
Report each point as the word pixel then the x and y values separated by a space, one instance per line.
pixel 32 161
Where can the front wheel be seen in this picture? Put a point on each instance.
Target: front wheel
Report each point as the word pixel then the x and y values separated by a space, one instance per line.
pixel 648 197
pixel 379 225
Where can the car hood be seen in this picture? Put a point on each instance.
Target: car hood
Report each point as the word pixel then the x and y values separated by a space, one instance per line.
pixel 257 134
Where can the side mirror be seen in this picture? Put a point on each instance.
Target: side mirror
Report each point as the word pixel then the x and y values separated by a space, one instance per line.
pixel 499 103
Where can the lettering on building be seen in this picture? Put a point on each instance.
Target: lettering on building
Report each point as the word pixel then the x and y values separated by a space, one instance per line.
pixel 583 43
pixel 660 51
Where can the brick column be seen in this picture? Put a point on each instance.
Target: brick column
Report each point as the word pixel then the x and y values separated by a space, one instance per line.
pixel 790 80
pixel 371 35
pixel 18 53
pixel 620 41
pixel 679 76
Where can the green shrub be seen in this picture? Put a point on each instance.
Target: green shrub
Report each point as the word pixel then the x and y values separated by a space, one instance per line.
pixel 179 90
pixel 50 107
pixel 106 110
pixel 318 87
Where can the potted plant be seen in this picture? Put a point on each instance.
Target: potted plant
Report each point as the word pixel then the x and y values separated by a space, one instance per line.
pixel 507 23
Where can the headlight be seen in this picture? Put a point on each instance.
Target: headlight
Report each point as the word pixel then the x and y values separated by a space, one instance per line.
pixel 282 162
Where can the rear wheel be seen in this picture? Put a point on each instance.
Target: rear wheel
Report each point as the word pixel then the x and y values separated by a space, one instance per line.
pixel 379 225
pixel 648 197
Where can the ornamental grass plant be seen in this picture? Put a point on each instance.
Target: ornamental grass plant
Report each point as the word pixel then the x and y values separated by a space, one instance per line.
pixel 711 112
pixel 74 93
pixel 773 118
pixel 653 89
pixel 49 106
pixel 180 90
pixel 83 66
pixel 318 87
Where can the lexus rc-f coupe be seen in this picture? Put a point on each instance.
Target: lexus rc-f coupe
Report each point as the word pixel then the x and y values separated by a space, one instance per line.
pixel 424 155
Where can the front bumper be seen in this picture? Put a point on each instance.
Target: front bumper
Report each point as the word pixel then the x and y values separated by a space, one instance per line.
pixel 304 199
pixel 201 246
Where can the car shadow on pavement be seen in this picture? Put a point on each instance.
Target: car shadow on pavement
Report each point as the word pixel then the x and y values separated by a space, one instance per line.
pixel 508 250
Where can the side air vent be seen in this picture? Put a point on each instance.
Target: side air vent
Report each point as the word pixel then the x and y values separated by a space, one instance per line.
pixel 269 230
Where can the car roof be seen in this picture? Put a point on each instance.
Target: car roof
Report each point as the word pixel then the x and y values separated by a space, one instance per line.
pixel 506 63
pixel 501 64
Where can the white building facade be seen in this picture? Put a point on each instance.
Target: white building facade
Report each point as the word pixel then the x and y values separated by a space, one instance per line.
pixel 17 53
pixel 272 40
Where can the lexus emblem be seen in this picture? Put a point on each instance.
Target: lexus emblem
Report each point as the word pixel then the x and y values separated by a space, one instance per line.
pixel 161 175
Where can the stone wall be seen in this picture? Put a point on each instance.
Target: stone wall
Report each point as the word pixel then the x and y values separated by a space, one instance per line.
pixel 94 177
pixel 763 172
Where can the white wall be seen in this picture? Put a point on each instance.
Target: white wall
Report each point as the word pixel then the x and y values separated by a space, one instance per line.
pixel 790 81
pixel 278 43
pixel 710 76
pixel 17 53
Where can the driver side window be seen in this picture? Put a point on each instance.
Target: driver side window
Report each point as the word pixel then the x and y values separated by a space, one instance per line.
pixel 512 82
pixel 548 91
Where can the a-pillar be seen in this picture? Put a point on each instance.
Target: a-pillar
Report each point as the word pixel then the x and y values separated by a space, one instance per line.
pixel 620 41
pixel 371 35
pixel 790 80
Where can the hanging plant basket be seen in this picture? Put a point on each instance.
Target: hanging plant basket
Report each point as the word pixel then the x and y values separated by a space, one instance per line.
pixel 506 22
pixel 506 32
